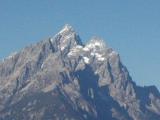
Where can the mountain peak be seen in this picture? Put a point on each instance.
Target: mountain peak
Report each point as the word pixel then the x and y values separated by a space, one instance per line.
pixel 96 43
pixel 66 38
pixel 66 28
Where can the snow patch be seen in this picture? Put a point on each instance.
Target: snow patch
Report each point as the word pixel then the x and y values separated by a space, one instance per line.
pixel 94 44
pixel 92 54
pixel 98 56
pixel 86 60
pixel 79 47
pixel 51 40
pixel 62 48
pixel 86 49
pixel 12 55
pixel 42 66
pixel 101 58
pixel 75 50
pixel 113 53
pixel 66 28
pixel 98 44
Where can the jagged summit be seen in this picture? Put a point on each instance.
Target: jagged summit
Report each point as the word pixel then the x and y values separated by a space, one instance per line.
pixel 66 38
pixel 96 43
pixel 67 28
pixel 68 31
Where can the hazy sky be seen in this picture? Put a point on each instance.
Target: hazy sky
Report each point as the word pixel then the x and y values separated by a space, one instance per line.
pixel 131 27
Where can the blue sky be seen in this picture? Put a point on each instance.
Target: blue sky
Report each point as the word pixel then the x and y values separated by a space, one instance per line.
pixel 131 27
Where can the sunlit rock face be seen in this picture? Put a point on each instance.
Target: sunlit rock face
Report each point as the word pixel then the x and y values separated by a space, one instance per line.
pixel 63 79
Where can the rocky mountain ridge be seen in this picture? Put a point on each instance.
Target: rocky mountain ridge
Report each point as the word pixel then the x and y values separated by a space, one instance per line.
pixel 62 79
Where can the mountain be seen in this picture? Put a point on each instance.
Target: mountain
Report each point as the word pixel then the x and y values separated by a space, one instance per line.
pixel 63 79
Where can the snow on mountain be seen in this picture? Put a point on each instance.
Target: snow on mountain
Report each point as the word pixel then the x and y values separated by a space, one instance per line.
pixel 61 78
pixel 86 60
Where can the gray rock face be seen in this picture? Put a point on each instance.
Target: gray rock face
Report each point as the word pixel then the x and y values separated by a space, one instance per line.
pixel 63 79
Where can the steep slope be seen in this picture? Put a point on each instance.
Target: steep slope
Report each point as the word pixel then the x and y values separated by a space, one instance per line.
pixel 61 78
